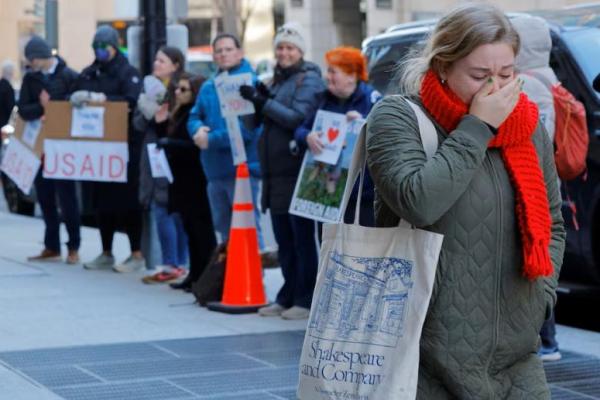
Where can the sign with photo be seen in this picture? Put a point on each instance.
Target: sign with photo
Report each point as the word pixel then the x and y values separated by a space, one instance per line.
pixel 320 186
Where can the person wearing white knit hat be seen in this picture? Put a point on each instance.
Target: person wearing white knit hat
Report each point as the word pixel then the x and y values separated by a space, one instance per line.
pixel 293 94
pixel 291 32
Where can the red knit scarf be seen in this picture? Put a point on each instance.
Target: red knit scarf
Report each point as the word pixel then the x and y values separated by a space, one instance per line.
pixel 514 139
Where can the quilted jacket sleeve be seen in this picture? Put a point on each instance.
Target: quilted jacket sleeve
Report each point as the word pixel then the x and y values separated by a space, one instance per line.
pixel 416 189
pixel 557 241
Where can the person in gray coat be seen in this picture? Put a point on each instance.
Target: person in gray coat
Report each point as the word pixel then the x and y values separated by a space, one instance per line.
pixel 294 93
pixel 491 190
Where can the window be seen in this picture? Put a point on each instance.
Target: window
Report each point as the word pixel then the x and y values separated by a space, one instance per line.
pixel 383 4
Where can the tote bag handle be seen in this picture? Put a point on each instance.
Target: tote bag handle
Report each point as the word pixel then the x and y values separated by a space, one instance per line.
pixel 358 163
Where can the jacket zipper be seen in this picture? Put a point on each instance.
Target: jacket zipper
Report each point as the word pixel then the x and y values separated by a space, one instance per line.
pixel 496 180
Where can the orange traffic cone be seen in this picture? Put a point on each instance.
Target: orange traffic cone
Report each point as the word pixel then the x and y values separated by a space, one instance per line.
pixel 243 290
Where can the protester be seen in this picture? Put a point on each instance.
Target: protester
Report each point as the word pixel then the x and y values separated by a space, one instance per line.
pixel 491 190
pixel 209 131
pixel 532 64
pixel 169 63
pixel 7 93
pixel 111 78
pixel 49 78
pixel 347 93
pixel 294 93
pixel 187 193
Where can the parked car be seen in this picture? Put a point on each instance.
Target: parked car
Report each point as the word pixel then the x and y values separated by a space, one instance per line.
pixel 17 201
pixel 574 58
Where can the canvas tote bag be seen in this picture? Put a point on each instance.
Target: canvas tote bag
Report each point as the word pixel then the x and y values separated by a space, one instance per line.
pixel 371 298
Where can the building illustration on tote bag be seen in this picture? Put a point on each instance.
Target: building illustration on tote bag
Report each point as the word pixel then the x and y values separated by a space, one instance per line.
pixel 363 299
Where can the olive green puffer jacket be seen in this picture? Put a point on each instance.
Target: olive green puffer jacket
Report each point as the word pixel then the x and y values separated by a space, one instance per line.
pixel 480 336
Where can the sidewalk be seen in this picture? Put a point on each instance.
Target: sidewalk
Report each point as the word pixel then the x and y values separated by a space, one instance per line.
pixel 75 334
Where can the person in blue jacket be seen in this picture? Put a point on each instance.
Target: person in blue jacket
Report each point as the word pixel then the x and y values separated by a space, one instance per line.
pixel 347 93
pixel 208 129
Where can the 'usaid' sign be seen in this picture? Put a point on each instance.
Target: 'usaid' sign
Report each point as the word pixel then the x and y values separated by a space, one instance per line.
pixel 85 160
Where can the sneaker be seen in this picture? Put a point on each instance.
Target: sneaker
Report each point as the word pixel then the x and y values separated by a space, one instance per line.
pixel 272 310
pixel 296 312
pixel 46 255
pixel 132 264
pixel 72 257
pixel 101 262
pixel 549 354
pixel 165 276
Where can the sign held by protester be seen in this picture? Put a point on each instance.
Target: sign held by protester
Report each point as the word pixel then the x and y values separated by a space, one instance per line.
pixel 85 160
pixel 20 164
pixel 159 165
pixel 238 151
pixel 320 186
pixel 87 122
pixel 31 132
pixel 332 128
pixel 228 91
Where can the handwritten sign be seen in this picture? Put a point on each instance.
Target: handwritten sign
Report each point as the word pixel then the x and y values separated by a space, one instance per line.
pixel 31 131
pixel 228 91
pixel 87 122
pixel 320 187
pixel 238 151
pixel 85 160
pixel 20 164
pixel 159 165
pixel 332 127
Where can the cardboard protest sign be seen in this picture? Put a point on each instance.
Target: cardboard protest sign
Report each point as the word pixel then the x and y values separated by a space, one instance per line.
pixel 56 124
pixel 238 151
pixel 332 127
pixel 20 164
pixel 320 186
pixel 228 91
pixel 159 165
pixel 85 160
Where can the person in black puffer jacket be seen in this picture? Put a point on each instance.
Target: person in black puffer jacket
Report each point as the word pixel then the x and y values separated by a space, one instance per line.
pixel 111 78
pixel 49 78
pixel 293 94
pixel 187 193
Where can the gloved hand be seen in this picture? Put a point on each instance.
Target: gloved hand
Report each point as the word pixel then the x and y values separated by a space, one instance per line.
pixel 81 97
pixel 251 94
pixel 263 89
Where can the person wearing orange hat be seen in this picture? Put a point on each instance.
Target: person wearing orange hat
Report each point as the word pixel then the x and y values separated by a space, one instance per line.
pixel 347 93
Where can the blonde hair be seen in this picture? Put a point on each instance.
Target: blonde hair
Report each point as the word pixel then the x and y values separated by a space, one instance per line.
pixel 454 37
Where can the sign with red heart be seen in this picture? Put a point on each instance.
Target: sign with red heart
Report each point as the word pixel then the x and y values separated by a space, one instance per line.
pixel 332 134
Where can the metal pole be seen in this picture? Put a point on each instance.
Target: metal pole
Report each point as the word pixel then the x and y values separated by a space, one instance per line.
pixel 51 23
pixel 155 30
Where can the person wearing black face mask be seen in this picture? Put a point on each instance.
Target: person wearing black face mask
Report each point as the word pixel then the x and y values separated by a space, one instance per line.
pixel 111 78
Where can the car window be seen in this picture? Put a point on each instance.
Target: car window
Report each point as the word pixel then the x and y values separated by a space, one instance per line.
pixel 383 59
pixel 585 47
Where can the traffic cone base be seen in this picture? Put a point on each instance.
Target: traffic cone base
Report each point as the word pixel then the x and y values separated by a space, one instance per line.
pixel 243 290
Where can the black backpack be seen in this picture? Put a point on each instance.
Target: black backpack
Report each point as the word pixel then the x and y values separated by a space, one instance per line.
pixel 209 286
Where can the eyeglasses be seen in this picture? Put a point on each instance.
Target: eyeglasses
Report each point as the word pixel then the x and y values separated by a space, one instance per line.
pixel 182 89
